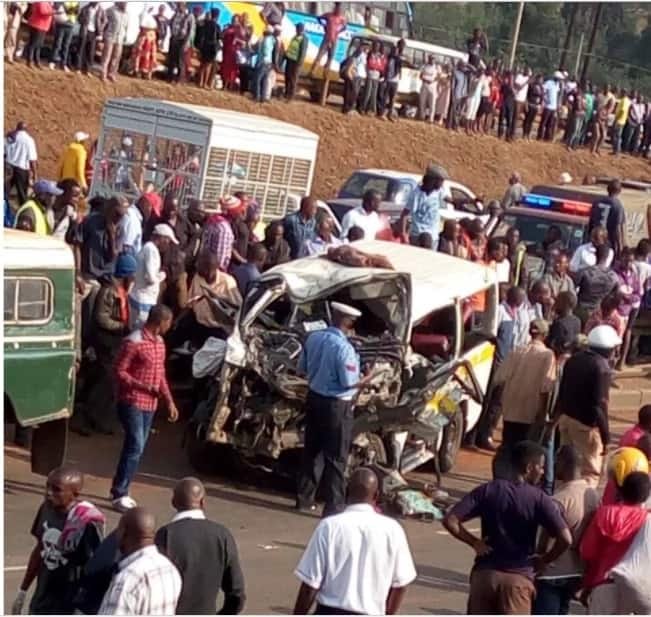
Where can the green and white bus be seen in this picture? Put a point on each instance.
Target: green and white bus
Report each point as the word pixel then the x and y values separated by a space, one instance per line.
pixel 39 342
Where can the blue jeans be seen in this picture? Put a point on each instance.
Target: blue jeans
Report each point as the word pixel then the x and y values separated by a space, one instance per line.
pixel 550 454
pixel 553 596
pixel 260 77
pixel 62 40
pixel 136 424
pixel 617 138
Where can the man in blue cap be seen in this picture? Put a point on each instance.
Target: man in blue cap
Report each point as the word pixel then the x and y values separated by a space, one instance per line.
pixel 332 367
pixel 110 323
pixel 31 216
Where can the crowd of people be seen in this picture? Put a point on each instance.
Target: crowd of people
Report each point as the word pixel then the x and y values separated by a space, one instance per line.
pixel 146 272
pixel 479 96
pixel 148 269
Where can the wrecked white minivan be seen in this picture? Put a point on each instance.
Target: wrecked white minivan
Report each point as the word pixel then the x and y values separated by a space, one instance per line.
pixel 432 358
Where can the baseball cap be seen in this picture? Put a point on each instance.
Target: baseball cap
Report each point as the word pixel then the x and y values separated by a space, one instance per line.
pixel 48 187
pixel 81 136
pixel 437 171
pixel 165 231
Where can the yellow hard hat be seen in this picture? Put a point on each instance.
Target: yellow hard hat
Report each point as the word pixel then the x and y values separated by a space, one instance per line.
pixel 625 461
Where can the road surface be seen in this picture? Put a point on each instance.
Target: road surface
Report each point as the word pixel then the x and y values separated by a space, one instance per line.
pixel 270 536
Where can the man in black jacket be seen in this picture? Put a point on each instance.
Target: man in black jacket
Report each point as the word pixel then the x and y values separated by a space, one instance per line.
pixel 205 554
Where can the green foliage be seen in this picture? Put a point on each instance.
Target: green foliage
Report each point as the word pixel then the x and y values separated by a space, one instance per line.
pixel 622 52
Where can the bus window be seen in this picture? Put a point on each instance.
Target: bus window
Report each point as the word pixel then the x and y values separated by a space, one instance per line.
pixel 28 300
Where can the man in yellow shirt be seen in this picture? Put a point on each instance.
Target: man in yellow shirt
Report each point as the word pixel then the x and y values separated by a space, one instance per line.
pixel 621 117
pixel 73 162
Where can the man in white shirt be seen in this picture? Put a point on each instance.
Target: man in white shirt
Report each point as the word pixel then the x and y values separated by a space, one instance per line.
pixel 149 276
pixel 521 87
pixel 357 561
pixel 586 255
pixel 429 75
pixel 146 582
pixel 365 217
pixel 132 223
pixel 21 157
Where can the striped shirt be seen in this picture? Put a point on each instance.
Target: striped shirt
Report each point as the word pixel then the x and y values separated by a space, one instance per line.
pixel 147 583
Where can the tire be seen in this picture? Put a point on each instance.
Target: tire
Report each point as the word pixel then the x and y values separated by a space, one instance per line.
pixel 202 455
pixel 451 442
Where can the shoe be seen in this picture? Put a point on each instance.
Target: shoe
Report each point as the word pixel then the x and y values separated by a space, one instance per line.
pixel 304 508
pixel 52 66
pixel 489 444
pixel 122 504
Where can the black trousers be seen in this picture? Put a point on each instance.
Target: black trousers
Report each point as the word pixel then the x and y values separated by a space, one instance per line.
pixel 34 46
pixel 86 52
pixel 328 433
pixel 352 88
pixel 530 116
pixel 506 124
pixel 174 59
pixel 388 91
pixel 20 179
pixel 547 126
pixel 291 76
pixel 322 609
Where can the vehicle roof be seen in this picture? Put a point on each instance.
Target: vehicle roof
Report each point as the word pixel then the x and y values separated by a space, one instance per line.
pixel 413 44
pixel 23 250
pixel 214 116
pixel 392 174
pixel 550 215
pixel 628 196
pixel 436 279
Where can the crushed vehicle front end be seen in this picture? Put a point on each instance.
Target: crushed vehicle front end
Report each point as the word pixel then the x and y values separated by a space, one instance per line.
pixel 259 406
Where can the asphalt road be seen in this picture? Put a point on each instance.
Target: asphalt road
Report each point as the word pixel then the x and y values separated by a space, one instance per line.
pixel 270 536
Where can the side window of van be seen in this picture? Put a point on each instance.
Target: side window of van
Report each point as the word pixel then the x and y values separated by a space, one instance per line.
pixel 28 300
pixel 10 299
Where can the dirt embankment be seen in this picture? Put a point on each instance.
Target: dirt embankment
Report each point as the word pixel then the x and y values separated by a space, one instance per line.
pixel 56 104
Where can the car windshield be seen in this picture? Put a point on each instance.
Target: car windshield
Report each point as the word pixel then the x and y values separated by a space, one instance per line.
pixel 533 230
pixel 359 183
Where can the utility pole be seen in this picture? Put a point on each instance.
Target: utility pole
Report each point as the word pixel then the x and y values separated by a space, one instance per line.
pixel 593 35
pixel 578 55
pixel 568 36
pixel 516 34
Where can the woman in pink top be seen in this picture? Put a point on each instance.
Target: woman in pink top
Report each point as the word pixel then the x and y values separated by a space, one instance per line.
pixel 39 23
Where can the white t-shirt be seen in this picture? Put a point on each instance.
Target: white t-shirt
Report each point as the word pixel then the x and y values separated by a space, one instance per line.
pixel 21 151
pixel 521 87
pixel 586 256
pixel 370 222
pixel 644 272
pixel 485 81
pixel 429 73
pixel 355 558
pixel 148 276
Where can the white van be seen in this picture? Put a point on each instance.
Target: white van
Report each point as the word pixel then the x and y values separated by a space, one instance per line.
pixel 201 153
pixel 431 363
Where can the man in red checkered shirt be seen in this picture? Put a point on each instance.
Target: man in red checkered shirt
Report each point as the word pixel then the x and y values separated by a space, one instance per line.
pixel 141 382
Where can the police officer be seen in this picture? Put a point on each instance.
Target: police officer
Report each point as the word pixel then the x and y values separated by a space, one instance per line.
pixel 333 372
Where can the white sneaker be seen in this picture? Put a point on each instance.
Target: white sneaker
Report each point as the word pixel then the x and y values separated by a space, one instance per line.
pixel 122 504
pixel 52 66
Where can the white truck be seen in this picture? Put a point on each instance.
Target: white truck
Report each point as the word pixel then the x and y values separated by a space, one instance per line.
pixel 202 153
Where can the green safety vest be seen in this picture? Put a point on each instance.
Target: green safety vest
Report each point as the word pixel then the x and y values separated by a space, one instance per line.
pixel 294 48
pixel 41 226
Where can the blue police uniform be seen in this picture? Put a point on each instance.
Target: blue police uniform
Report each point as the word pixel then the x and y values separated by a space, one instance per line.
pixel 332 367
